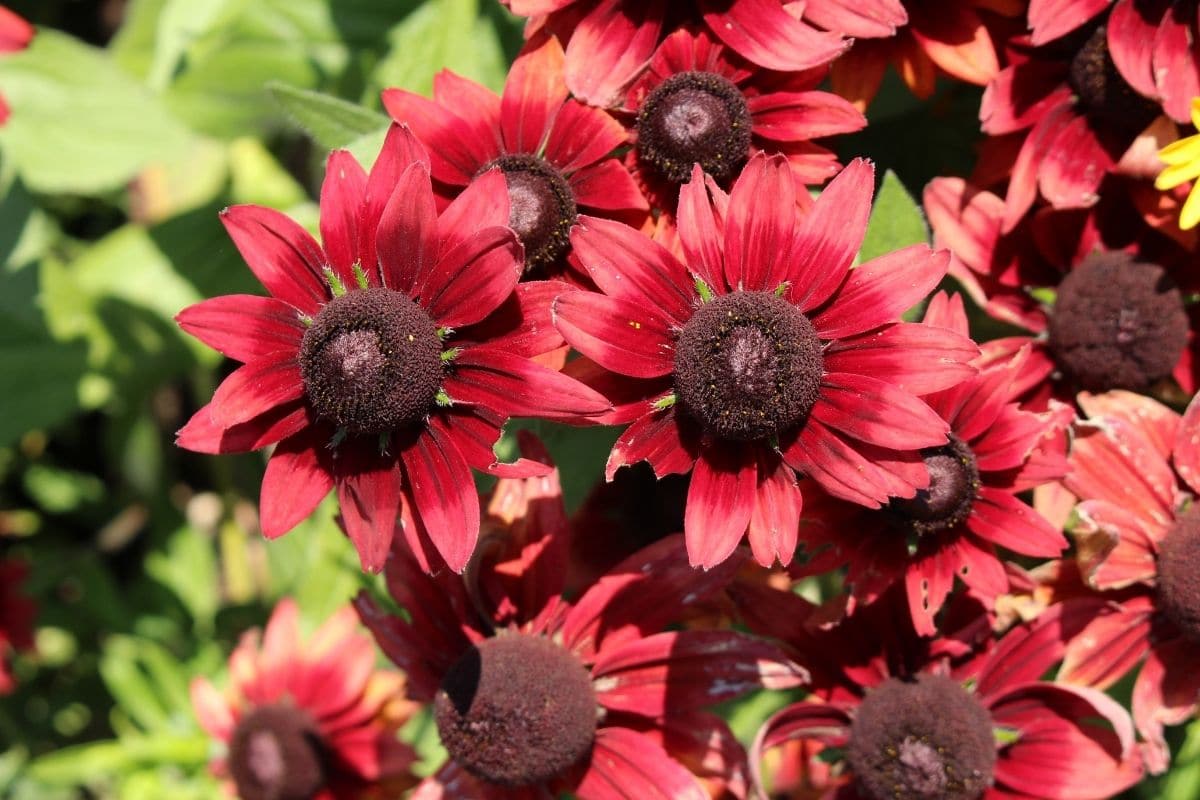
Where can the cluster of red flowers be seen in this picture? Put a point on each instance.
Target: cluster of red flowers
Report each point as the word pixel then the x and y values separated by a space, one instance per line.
pixel 626 236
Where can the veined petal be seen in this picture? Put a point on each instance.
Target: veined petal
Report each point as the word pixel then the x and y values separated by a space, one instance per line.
pixel 298 477
pixel 625 765
pixel 443 491
pixel 607 186
pixel 763 32
pixel 473 279
pixel 369 488
pixel 533 94
pixel 1051 19
pixel 483 204
pixel 1002 519
pixel 407 242
pixel 882 289
pixel 617 334
pixel 661 438
pixel 720 502
pixel 581 136
pixel 202 434
pixel 342 195
pixel 800 116
pixel 775 522
pixel 916 358
pixel 608 48
pixel 700 234
pixel 762 217
pixel 282 255
pixel 517 387
pixel 245 327
pixel 872 411
pixel 254 389
pixel 457 147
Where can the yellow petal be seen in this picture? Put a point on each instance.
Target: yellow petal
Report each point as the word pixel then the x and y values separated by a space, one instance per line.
pixel 1176 174
pixel 1196 112
pixel 1186 149
pixel 1191 211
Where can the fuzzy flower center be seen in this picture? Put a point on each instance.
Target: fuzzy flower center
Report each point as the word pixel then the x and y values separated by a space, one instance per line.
pixel 694 118
pixel 953 485
pixel 748 366
pixel 1179 575
pixel 925 739
pixel 1103 94
pixel 1117 323
pixel 541 207
pixel 371 362
pixel 276 753
pixel 516 710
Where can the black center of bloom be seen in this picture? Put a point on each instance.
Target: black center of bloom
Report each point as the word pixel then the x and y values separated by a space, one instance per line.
pixel 371 362
pixel 541 207
pixel 1117 323
pixel 953 484
pixel 925 739
pixel 276 754
pixel 748 366
pixel 690 118
pixel 516 710
pixel 1103 94
pixel 1179 574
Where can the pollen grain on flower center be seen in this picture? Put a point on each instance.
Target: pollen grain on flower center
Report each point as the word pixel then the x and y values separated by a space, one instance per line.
pixel 748 366
pixel 541 207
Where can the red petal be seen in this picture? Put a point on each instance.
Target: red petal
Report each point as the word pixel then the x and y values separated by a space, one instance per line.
pixel 517 387
pixel 297 479
pixel 627 338
pixel 965 220
pixel 916 358
pixel 841 470
pixel 861 18
pixel 719 503
pixel 483 204
pixel 533 93
pixel 625 765
pixel 1187 446
pixel 1131 46
pixel 369 490
pixel 1118 464
pixel 407 242
pixel 800 116
pixel 700 234
pixel 608 48
pixel 805 720
pixel 1109 645
pixel 775 522
pixel 1028 651
pixel 582 136
pixel 607 186
pixel 626 264
pixel 400 151
pixel 1010 440
pixel 661 438
pixel 1022 95
pixel 763 32
pixel 1075 162
pixel 762 216
pixel 202 434
pixel 1166 693
pixel 457 147
pixel 680 671
pixel 1023 182
pixel 522 324
pixel 1051 19
pixel 473 279
pixel 1175 67
pixel 876 412
pixel 443 493
pixel 1002 519
pixel 927 581
pixel 15 32
pixel 882 289
pixel 830 235
pixel 281 254
pixel 1113 547
pixel 255 389
pixel 244 327
pixel 341 201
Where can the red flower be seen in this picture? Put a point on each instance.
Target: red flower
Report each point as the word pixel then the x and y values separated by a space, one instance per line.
pixel 1151 43
pixel 307 719
pixel 556 153
pixel 996 451
pixel 15 35
pixel 533 694
pixel 697 102
pixel 1075 113
pixel 902 717
pixel 377 362
pixel 610 41
pixel 16 619
pixel 1135 466
pixel 920 39
pixel 767 354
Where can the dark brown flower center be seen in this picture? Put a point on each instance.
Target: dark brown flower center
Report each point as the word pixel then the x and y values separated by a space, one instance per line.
pixel 694 118
pixel 1117 323
pixel 925 739
pixel 1179 574
pixel 276 753
pixel 748 366
pixel 953 484
pixel 1103 94
pixel 516 710
pixel 371 362
pixel 541 207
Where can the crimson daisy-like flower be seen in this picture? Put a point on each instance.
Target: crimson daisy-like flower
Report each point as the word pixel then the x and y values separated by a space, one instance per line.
pixel 1152 43
pixel 1135 467
pixel 951 529
pixel 952 718
pixel 1075 113
pixel 309 719
pixel 15 35
pixel 699 103
pixel 383 362
pixel 1095 289
pixel 610 41
pixel 535 696
pixel 17 613
pixel 555 152
pixel 766 355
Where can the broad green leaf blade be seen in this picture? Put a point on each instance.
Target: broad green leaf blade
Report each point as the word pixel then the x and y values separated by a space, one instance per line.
pixel 896 220
pixel 330 121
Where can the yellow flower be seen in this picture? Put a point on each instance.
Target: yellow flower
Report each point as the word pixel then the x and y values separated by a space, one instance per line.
pixel 1183 164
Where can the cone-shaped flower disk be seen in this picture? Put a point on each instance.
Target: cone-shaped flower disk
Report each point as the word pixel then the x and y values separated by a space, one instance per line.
pixel 1136 467
pixel 996 451
pixel 902 717
pixel 556 153
pixel 384 362
pixel 307 720
pixel 767 354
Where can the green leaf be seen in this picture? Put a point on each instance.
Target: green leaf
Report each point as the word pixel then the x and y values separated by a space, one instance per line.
pixel 447 34
pixel 896 221
pixel 79 123
pixel 330 121
pixel 39 377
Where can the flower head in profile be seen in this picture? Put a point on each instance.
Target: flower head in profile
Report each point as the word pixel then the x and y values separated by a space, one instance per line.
pixel 555 152
pixel 765 356
pixel 16 619
pixel 384 360
pixel 307 719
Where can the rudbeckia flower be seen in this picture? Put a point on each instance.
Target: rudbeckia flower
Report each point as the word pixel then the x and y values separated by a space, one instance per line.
pixel 307 720
pixel 1183 165
pixel 385 360
pixel 765 356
